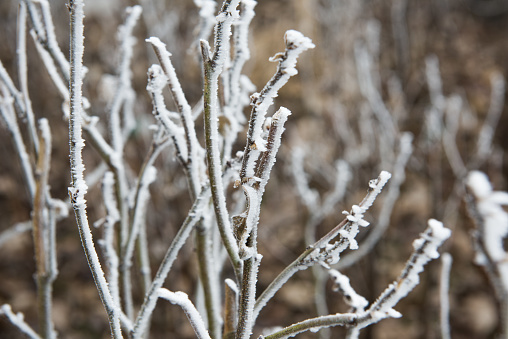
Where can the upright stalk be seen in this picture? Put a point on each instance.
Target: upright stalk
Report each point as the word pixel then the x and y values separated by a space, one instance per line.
pixel 79 187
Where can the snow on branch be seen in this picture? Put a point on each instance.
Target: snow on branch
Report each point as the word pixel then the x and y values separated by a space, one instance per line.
pixel 182 299
pixel 424 249
pixel 17 319
pixel 486 209
pixel 324 251
pixel 296 43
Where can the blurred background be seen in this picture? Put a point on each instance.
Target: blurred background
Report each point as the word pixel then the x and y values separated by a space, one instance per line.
pixel 408 58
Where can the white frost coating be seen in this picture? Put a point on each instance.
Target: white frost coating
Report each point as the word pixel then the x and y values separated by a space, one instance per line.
pixel 383 221
pixel 9 116
pixel 150 301
pixel 157 81
pixel 296 43
pixel 193 151
pixel 107 243
pixel 181 299
pixel 425 250
pixel 17 319
pixel 489 204
pixel 124 92
pixel 78 189
pixel 444 303
pixel 493 224
pixel 52 70
pixel 142 197
pixel 343 285
pixel 376 185
pixel 232 285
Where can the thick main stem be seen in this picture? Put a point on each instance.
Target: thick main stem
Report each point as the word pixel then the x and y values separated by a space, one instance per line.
pixel 213 159
pixel 78 188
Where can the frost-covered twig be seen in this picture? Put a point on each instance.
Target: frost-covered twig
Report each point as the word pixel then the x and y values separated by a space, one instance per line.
pixel 17 319
pixel 342 285
pixel 150 301
pixel 23 75
pixel 191 153
pixel 78 187
pixel 383 221
pixel 246 227
pixel 444 289
pixel 213 66
pixel 45 32
pixel 296 43
pixel 425 249
pixel 486 209
pixel 9 117
pixel 369 89
pixel 107 242
pixel 325 252
pixel 181 299
pixel 206 18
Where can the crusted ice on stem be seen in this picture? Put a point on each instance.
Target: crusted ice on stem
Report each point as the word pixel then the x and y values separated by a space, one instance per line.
pixel 424 250
pixel 182 299
pixel 213 66
pixel 192 157
pixel 107 242
pixel 17 319
pixel 237 87
pixel 150 301
pixel 45 32
pixel 296 43
pixel 78 187
pixel 444 295
pixel 9 117
pixel 383 221
pixel 325 252
pixel 341 284
pixel 486 208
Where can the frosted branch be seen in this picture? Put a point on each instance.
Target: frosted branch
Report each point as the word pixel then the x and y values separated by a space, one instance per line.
pixel 78 188
pixel 342 285
pixel 296 43
pixel 444 291
pixel 454 107
pixel 486 209
pixel 23 75
pixel 150 301
pixel 124 75
pixel 194 151
pixel 181 299
pixel 107 243
pixel 323 251
pixel 425 249
pixel 17 319
pixel 383 221
pixel 9 117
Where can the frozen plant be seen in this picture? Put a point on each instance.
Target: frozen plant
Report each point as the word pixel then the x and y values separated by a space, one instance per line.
pixel 486 209
pixel 225 225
